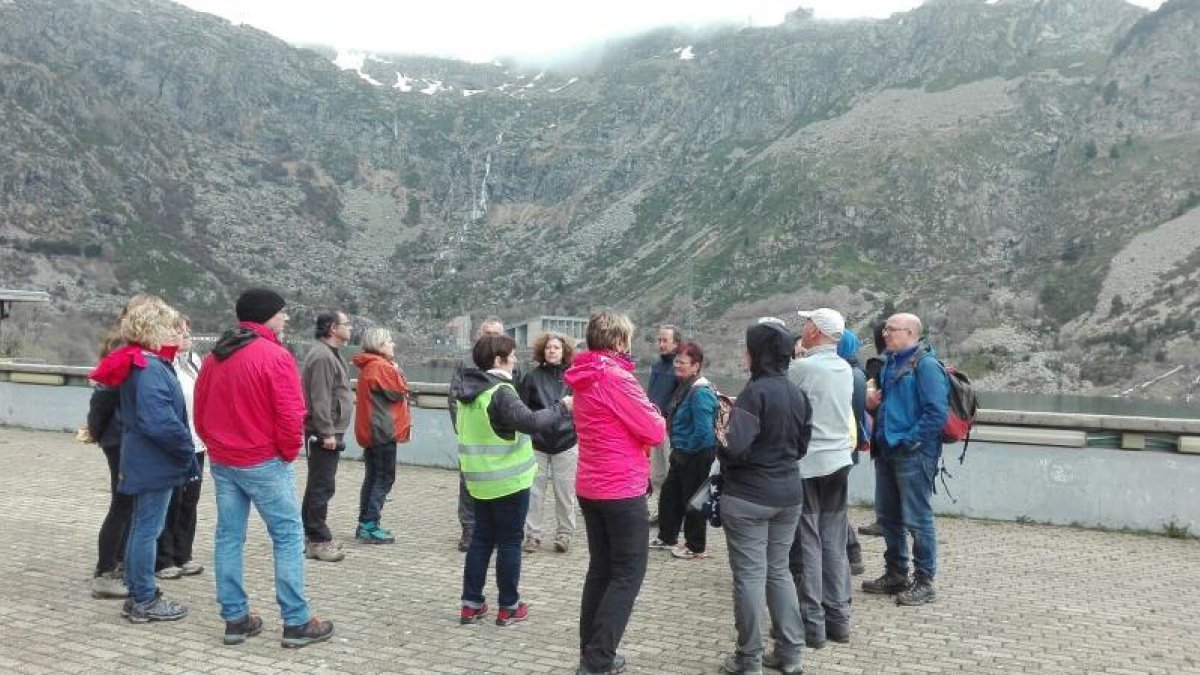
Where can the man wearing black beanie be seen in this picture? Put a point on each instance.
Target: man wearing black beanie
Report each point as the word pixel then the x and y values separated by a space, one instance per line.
pixel 250 413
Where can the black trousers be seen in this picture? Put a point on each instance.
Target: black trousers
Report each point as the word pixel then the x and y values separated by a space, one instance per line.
pixel 685 475
pixel 617 530
pixel 115 528
pixel 319 489
pixel 175 542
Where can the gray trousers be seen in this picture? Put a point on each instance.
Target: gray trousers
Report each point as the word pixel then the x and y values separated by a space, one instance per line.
pixel 466 506
pixel 818 558
pixel 758 539
pixel 557 471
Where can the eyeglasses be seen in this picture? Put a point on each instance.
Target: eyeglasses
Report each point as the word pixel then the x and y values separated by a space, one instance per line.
pixel 685 364
pixel 896 329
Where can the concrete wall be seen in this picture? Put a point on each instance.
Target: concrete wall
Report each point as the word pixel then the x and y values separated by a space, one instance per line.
pixel 1096 487
pixel 1087 486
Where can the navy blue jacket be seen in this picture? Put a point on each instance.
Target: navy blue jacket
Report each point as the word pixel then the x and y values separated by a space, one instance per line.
pixel 156 445
pixel 661 385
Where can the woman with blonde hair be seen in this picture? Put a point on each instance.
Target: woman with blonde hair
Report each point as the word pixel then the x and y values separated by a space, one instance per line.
pixel 157 453
pixel 557 450
pixel 381 420
pixel 617 425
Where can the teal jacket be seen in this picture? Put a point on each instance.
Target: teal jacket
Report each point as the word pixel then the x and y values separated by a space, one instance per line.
pixel 693 422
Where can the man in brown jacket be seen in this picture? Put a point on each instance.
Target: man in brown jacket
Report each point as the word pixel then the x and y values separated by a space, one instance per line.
pixel 330 406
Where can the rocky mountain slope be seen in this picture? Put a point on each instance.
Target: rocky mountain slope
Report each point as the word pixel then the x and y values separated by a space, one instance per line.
pixel 982 163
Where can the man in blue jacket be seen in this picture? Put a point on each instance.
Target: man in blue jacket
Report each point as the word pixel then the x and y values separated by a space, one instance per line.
pixel 659 389
pixel 911 407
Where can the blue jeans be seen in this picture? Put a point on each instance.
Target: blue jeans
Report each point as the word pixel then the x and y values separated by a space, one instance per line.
pixel 499 525
pixel 903 494
pixel 271 487
pixel 141 545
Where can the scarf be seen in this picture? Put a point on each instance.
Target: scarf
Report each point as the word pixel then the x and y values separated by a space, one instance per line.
pixel 115 368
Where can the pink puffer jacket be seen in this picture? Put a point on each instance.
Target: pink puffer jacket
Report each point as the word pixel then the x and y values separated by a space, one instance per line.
pixel 616 425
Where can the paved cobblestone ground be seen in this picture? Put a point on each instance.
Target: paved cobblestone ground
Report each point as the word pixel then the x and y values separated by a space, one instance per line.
pixel 1014 598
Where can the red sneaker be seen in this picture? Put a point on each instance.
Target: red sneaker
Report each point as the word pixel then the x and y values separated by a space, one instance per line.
pixel 507 617
pixel 470 615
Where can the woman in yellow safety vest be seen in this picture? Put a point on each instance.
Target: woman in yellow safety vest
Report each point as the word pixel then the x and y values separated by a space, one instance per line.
pixel 496 457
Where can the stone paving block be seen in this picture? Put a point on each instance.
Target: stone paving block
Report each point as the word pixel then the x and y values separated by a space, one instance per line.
pixel 1012 598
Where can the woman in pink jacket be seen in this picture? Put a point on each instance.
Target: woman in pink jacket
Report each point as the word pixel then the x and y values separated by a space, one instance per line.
pixel 616 425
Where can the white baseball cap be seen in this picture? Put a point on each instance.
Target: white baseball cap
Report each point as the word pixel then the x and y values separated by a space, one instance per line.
pixel 829 321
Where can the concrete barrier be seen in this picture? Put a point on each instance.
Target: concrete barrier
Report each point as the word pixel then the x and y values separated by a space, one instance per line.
pixel 1021 465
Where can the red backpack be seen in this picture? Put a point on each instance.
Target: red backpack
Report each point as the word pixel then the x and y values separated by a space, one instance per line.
pixel 962 399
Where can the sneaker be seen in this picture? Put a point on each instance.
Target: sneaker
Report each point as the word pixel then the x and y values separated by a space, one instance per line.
pixel 618 667
pixel 682 552
pixel 248 626
pixel 660 544
pixel 370 533
pixel 109 585
pixel 325 551
pixel 920 593
pixel 740 665
pixel 464 542
pixel 532 545
pixel 158 609
pixel 191 568
pixel 316 630
pixel 562 543
pixel 469 615
pixel 771 660
pixel 857 568
pixel 872 530
pixel 171 572
pixel 507 617
pixel 890 583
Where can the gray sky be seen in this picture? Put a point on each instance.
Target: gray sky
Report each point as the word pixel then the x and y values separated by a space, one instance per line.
pixel 481 30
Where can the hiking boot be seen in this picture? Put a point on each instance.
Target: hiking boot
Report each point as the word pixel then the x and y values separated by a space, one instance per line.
pixel 248 626
pixel 890 583
pixel 872 530
pixel 370 533
pixel 839 634
pixel 171 572
pixel 468 615
pixel 741 665
pixel 857 568
pixel 507 617
pixel 922 592
pixel 325 551
pixel 532 545
pixel 771 660
pixel 562 543
pixel 814 642
pixel 109 585
pixel 316 630
pixel 157 609
pixel 191 568
pixel 464 542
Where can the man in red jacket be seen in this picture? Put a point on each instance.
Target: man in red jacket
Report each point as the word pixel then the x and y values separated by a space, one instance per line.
pixel 250 414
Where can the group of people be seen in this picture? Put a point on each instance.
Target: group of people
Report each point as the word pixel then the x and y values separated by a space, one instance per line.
pixel 577 426
pixel 157 412
pixel 782 466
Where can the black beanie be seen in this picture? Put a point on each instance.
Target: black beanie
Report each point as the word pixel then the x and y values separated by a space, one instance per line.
pixel 258 305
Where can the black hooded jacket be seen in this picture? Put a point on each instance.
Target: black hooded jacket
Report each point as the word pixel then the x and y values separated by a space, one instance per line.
pixel 769 427
pixel 506 412
pixel 541 388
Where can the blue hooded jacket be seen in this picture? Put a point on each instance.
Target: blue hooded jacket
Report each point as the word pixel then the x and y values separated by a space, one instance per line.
pixel 848 349
pixel 156 445
pixel 915 403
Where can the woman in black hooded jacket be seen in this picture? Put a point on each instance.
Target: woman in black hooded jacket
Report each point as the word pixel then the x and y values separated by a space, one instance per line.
pixel 761 494
pixel 557 450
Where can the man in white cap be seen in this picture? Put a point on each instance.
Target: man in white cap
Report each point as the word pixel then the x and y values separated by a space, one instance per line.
pixel 818 558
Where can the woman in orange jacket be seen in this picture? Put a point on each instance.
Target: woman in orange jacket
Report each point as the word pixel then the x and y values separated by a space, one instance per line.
pixel 381 420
